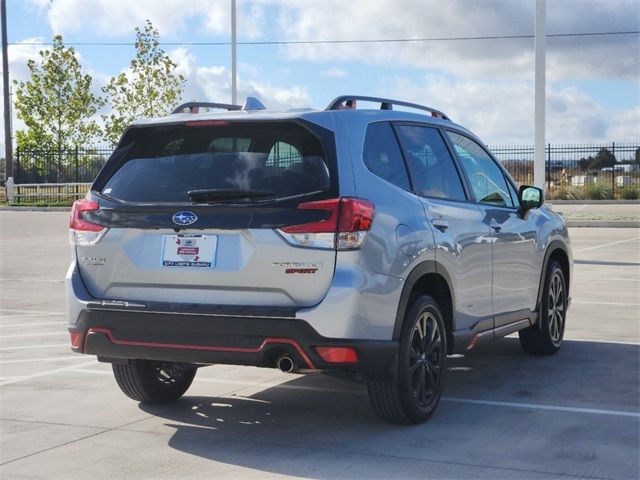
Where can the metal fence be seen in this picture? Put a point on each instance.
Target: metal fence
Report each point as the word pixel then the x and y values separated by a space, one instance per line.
pixel 78 165
pixel 603 170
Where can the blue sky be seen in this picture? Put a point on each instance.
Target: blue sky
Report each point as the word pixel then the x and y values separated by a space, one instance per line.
pixel 593 82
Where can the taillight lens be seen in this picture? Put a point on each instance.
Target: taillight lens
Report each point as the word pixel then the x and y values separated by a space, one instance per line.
pixel 338 354
pixel 349 222
pixel 83 233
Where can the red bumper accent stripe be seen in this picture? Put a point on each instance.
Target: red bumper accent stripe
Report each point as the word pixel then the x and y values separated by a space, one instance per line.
pixel 179 346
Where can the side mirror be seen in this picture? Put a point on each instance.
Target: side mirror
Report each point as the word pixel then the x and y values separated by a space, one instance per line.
pixel 530 197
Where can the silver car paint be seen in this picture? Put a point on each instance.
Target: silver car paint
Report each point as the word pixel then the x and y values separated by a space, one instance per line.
pixel 360 297
pixel 249 270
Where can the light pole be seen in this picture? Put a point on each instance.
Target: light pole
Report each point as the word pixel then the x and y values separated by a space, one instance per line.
pixel 234 87
pixel 539 129
pixel 8 146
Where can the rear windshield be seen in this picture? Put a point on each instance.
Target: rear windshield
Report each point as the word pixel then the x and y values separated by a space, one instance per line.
pixel 162 164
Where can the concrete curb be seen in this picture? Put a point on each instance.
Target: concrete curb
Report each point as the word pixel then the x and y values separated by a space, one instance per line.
pixel 602 224
pixel 35 209
pixel 593 202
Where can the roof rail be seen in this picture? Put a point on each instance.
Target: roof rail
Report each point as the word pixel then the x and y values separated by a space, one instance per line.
pixel 348 102
pixel 192 107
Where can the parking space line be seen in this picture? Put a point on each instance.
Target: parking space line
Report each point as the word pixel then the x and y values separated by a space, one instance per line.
pixel 43 334
pixel 31 280
pixel 608 279
pixel 5 317
pixel 39 324
pixel 44 359
pixel 537 406
pixel 22 310
pixel 606 245
pixel 531 406
pixel 91 370
pixel 617 304
pixel 44 374
pixel 598 340
pixel 32 347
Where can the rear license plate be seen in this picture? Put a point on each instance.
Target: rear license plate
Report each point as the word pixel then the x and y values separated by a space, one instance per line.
pixel 189 251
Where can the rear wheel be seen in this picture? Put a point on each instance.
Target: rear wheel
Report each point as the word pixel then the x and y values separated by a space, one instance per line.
pixel 415 394
pixel 545 338
pixel 153 382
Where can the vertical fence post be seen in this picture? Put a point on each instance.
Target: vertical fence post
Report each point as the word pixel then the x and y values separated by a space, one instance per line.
pixel 76 165
pixel 613 170
pixel 17 171
pixel 548 167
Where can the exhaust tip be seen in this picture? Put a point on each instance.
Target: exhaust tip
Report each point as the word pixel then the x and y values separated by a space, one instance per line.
pixel 285 364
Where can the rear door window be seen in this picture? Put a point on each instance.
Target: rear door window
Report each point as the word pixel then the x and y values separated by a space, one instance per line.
pixel 432 169
pixel 382 155
pixel 162 164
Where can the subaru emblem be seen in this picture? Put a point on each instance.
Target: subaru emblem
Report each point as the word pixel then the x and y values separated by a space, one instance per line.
pixel 184 218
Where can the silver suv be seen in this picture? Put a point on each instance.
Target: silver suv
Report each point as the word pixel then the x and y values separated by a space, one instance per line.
pixel 369 241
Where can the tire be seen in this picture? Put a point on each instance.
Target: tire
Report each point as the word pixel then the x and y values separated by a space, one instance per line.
pixel 545 337
pixel 153 382
pixel 415 393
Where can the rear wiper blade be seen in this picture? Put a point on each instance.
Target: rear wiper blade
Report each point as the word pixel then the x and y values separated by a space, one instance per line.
pixel 217 194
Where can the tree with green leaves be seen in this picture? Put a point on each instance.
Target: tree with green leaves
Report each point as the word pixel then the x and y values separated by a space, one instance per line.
pixel 56 103
pixel 150 87
pixel 605 158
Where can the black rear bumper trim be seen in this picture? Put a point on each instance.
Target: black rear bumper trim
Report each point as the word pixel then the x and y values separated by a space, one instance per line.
pixel 114 335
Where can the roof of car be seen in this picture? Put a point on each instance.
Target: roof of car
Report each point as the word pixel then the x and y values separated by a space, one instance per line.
pixel 344 106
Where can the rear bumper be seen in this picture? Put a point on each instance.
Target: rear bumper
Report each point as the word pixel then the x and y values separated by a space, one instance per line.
pixel 114 334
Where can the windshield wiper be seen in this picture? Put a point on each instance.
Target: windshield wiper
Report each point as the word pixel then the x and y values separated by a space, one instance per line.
pixel 222 194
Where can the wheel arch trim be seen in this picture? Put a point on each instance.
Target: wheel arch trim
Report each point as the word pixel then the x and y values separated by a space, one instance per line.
pixel 424 268
pixel 551 248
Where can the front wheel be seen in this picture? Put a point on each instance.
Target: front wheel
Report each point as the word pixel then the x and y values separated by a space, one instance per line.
pixel 545 337
pixel 415 393
pixel 153 382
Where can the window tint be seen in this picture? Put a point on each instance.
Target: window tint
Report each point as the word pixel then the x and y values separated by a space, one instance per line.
pixel 284 155
pixel 162 164
pixel 487 180
pixel 514 195
pixel 432 169
pixel 382 154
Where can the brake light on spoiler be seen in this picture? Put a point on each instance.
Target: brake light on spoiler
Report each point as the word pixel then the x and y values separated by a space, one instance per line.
pixel 83 233
pixel 349 222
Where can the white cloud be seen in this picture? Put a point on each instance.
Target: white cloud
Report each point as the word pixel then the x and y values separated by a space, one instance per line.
pixel 334 73
pixel 19 55
pixel 573 57
pixel 501 112
pixel 109 18
pixel 212 83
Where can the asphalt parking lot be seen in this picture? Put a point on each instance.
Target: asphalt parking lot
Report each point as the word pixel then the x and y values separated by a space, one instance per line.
pixel 504 415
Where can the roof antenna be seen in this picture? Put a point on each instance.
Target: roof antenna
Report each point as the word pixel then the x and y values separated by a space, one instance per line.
pixel 252 103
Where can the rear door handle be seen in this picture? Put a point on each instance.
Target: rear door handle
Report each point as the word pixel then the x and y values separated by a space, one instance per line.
pixel 440 224
pixel 496 227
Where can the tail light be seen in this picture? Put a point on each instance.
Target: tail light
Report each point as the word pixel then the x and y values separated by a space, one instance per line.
pixel 83 233
pixel 338 354
pixel 349 222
